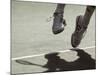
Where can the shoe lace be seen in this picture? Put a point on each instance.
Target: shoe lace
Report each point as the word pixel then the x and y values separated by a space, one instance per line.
pixel 78 28
pixel 49 19
pixel 55 14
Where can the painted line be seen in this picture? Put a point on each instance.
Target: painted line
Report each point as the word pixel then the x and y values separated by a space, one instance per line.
pixel 30 56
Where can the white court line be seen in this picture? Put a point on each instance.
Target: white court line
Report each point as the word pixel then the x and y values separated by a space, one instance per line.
pixel 30 56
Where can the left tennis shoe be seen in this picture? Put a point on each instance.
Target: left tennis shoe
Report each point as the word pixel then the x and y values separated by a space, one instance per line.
pixel 58 23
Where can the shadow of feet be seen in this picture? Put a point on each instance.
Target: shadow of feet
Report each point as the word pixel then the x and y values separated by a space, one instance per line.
pixel 55 63
pixel 84 62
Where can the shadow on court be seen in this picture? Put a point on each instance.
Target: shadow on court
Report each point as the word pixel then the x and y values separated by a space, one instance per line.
pixel 55 63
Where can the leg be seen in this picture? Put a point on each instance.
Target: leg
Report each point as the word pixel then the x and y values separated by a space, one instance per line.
pixel 88 13
pixel 81 26
pixel 60 8
pixel 58 21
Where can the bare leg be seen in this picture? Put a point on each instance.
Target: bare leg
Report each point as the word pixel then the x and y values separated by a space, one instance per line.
pixel 88 13
pixel 60 8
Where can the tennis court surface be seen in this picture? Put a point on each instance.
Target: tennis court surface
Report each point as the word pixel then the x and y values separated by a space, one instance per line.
pixel 34 46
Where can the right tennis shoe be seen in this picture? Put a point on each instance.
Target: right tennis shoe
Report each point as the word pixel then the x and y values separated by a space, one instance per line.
pixel 79 31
